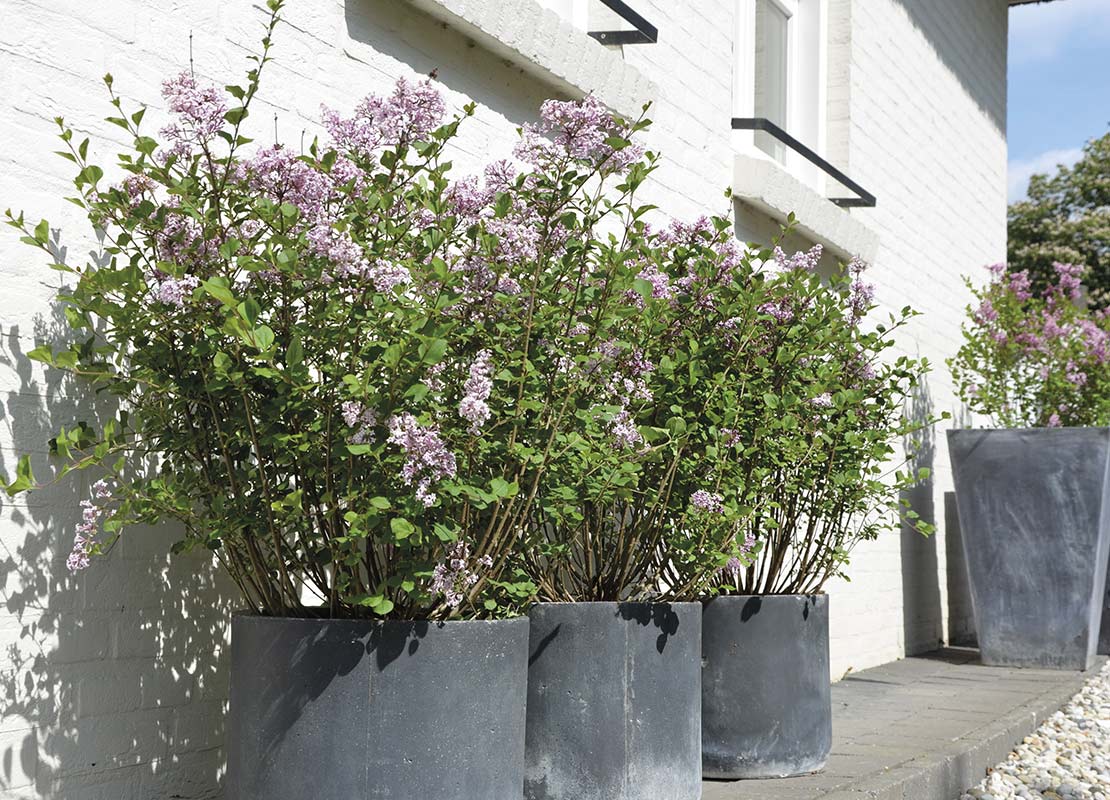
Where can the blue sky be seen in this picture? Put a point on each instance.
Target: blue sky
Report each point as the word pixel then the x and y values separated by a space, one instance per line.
pixel 1059 84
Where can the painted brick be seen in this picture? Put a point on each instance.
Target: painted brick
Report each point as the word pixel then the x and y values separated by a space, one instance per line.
pixel 113 683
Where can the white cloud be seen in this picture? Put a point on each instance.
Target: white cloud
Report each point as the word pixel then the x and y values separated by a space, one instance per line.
pixel 1021 170
pixel 1041 31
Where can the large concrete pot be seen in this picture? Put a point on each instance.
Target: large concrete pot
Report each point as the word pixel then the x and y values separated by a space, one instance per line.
pixel 357 709
pixel 614 702
pixel 1035 523
pixel 766 700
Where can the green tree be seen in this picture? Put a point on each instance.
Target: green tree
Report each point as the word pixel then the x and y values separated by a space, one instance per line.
pixel 1066 218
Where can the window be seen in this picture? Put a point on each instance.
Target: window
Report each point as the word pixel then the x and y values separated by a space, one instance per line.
pixel 772 64
pixel 780 76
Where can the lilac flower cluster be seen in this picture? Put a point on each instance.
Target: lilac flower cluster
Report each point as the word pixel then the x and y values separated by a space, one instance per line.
pixel 709 502
pixel 734 566
pixel 427 457
pixel 453 577
pixel 803 260
pixel 473 406
pixel 409 114
pixel 860 295
pixel 361 420
pixel 579 131
pixel 200 111
pixel 175 291
pixel 92 512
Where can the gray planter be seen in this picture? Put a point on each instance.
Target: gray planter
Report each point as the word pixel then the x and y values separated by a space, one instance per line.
pixel 1035 523
pixel 357 709
pixel 614 701
pixel 766 701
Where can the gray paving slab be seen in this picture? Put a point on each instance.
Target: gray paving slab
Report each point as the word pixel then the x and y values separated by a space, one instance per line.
pixel 924 728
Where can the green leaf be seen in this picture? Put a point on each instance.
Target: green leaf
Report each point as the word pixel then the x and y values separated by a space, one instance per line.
pixel 24 478
pixel 294 356
pixel 263 337
pixel 220 288
pixel 432 352
pixel 401 528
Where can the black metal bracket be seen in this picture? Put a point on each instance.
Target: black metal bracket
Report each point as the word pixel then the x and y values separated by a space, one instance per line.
pixel 864 199
pixel 645 32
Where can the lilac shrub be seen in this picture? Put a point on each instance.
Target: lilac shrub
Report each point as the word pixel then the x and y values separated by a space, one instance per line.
pixel 1035 360
pixel 352 368
pixel 758 418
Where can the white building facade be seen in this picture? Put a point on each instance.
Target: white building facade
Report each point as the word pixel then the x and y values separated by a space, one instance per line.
pixel 113 683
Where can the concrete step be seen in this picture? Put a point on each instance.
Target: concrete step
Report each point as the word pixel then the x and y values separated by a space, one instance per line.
pixel 924 728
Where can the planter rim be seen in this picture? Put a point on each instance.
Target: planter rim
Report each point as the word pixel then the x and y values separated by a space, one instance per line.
pixel 252 615
pixel 1041 429
pixel 595 603
pixel 777 594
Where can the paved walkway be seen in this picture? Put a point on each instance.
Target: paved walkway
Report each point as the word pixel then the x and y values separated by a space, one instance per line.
pixel 924 728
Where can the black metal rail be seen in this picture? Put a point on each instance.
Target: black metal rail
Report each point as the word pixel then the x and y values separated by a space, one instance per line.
pixel 645 32
pixel 864 198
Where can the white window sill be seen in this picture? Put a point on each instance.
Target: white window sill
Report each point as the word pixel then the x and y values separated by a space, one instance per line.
pixel 543 45
pixel 766 185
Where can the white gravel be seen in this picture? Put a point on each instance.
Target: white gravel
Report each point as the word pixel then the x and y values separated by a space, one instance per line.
pixel 1067 758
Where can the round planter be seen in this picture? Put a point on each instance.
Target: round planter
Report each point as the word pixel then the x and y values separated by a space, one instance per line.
pixel 766 700
pixel 356 709
pixel 1034 509
pixel 614 702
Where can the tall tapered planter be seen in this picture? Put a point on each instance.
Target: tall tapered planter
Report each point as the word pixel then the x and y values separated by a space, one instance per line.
pixel 392 710
pixel 614 701
pixel 766 699
pixel 1034 508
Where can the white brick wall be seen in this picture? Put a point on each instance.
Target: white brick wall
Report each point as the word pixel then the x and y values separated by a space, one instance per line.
pixel 112 684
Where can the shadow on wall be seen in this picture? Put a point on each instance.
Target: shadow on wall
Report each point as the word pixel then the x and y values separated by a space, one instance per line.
pixel 113 682
pixel 923 624
pixel 958 31
pixel 385 29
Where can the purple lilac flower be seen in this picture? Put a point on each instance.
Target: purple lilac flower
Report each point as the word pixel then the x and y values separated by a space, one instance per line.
pixel 361 420
pixel 660 283
pixel 340 249
pixel 1075 375
pixel 780 310
pixel 92 511
pixel 578 130
pixel 860 295
pixel 986 313
pixel 997 270
pixel 175 291
pixel 433 378
pixel 822 401
pixel 409 113
pixel 625 433
pixel 468 198
pixel 277 173
pixel 182 239
pixel 427 457
pixel 200 111
pixel 730 437
pixel 1054 421
pixel 473 406
pixel 709 502
pixel 1021 285
pixel 452 577
pixel 386 277
pixel 1095 340
pixel 1070 280
pixel 802 261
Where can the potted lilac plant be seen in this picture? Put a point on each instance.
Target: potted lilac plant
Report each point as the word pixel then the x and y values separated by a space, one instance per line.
pixel 772 420
pixel 335 370
pixel 816 431
pixel 1034 493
